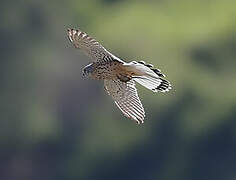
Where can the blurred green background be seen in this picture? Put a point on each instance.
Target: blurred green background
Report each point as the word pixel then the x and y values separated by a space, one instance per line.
pixel 55 125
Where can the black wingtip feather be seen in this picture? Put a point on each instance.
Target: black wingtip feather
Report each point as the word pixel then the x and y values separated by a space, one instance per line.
pixel 164 86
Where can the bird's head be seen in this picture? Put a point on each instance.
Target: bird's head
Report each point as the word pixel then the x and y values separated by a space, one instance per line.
pixel 88 70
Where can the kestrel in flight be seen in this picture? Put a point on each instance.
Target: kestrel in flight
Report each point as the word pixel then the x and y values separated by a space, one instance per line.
pixel 119 77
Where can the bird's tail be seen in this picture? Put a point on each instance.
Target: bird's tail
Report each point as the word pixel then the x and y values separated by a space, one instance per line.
pixel 149 77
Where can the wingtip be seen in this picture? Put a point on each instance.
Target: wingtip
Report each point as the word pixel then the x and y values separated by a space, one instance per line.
pixel 69 34
pixel 69 30
pixel 139 121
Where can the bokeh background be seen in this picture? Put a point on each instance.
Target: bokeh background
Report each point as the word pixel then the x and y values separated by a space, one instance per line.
pixel 55 125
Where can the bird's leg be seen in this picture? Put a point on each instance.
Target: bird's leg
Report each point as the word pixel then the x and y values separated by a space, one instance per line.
pixel 123 78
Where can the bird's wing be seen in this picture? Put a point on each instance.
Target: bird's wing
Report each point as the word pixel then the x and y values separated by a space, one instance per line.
pixel 126 98
pixel 90 46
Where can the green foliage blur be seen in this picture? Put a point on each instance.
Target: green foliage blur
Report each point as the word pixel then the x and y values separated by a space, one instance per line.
pixel 55 125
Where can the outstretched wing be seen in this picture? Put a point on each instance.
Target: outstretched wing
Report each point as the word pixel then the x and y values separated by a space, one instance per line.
pixel 126 98
pixel 90 46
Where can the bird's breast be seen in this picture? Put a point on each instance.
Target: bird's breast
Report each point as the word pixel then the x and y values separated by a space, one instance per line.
pixel 107 70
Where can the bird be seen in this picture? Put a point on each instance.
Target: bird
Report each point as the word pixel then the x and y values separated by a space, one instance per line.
pixel 119 77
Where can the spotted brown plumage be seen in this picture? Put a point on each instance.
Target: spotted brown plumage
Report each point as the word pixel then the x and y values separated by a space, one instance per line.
pixel 119 77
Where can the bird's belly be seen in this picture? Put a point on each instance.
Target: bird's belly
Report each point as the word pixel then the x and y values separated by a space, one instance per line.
pixel 105 73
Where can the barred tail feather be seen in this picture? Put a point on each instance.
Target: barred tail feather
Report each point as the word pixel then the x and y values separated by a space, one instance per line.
pixel 154 84
pixel 148 76
pixel 150 66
